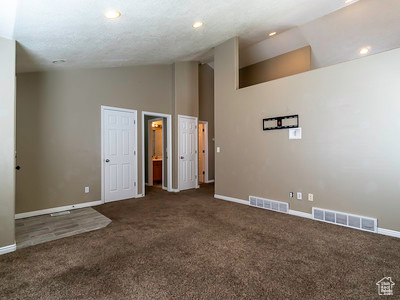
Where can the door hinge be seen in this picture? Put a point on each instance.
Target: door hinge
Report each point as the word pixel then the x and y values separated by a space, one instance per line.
pixel 195 176
pixel 134 183
pixel 134 122
pixel 134 152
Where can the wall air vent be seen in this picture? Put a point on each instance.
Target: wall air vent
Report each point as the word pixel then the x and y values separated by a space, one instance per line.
pixel 278 206
pixel 345 219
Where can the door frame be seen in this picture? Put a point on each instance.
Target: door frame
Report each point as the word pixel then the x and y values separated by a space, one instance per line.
pixel 169 149
pixel 196 149
pixel 148 151
pixel 205 123
pixel 102 109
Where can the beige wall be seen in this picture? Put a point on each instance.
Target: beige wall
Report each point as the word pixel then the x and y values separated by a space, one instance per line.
pixel 7 138
pixel 349 157
pixel 186 101
pixel 291 63
pixel 206 110
pixel 58 128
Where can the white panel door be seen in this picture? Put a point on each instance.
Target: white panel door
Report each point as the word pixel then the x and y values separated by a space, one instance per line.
pixel 187 152
pixel 119 155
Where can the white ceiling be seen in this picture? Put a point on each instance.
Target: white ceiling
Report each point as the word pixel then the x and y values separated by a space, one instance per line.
pixel 148 32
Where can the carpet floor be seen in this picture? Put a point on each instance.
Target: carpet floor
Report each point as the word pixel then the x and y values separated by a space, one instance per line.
pixel 190 245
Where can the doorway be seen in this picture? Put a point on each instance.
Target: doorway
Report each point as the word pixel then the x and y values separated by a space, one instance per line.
pixel 203 152
pixel 187 152
pixel 118 153
pixel 156 153
pixel 156 149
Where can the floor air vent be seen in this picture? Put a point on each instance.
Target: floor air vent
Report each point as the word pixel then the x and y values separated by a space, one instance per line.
pixel 269 204
pixel 344 219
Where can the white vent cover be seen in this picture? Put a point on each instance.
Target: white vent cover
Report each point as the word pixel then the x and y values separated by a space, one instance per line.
pixel 278 206
pixel 345 219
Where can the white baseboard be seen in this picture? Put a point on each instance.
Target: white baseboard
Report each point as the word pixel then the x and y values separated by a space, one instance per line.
pixel 164 188
pixel 389 232
pixel 56 209
pixel 174 190
pixel 383 231
pixel 139 196
pixel 300 214
pixel 245 202
pixel 210 181
pixel 8 249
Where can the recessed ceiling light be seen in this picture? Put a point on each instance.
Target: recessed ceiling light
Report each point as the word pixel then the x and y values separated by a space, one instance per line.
pixel 364 51
pixel 272 33
pixel 112 14
pixel 60 61
pixel 197 24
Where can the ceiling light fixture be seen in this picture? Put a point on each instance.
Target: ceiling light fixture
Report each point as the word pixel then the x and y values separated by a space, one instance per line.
pixel 112 14
pixel 364 51
pixel 272 33
pixel 60 61
pixel 197 24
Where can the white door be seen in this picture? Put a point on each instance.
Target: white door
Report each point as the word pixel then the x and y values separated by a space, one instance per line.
pixel 187 152
pixel 120 164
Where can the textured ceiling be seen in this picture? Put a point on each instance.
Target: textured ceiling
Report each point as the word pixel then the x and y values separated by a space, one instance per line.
pixel 337 37
pixel 148 32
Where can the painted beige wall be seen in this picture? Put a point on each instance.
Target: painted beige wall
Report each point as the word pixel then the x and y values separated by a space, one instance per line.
pixel 206 110
pixel 59 133
pixel 7 138
pixel 186 101
pixel 291 63
pixel 349 157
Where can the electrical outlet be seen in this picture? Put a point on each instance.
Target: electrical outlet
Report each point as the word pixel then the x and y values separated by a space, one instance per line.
pixel 291 195
pixel 310 197
pixel 299 196
pixel 86 189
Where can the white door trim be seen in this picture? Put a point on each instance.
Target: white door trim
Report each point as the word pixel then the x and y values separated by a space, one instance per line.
pixel 196 149
pixel 103 108
pixel 205 123
pixel 169 148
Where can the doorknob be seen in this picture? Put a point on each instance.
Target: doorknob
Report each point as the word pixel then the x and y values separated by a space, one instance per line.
pixel 182 157
pixel 107 160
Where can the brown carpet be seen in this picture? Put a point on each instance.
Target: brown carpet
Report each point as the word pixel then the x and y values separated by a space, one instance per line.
pixel 190 245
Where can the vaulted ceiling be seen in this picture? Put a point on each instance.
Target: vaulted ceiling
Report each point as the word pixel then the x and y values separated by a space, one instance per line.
pixel 148 32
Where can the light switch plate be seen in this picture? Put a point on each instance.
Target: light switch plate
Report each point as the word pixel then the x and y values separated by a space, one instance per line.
pixel 295 134
pixel 299 196
pixel 86 189
pixel 218 149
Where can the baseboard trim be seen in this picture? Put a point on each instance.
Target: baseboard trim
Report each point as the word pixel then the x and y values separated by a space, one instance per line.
pixel 8 249
pixel 56 209
pixel 236 200
pixel 382 231
pixel 210 181
pixel 389 232
pixel 174 190
pixel 300 214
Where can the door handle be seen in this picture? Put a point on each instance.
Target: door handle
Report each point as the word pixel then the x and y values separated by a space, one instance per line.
pixel 182 157
pixel 107 160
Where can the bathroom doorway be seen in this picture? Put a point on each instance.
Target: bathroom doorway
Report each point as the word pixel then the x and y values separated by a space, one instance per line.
pixel 156 163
